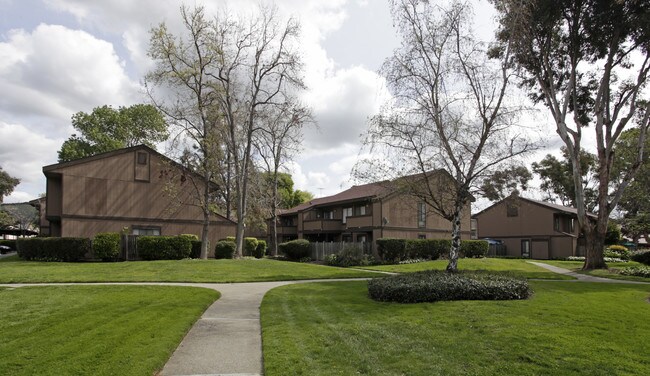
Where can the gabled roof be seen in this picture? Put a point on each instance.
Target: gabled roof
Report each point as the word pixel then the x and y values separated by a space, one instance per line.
pixel 549 205
pixel 356 192
pixel 105 155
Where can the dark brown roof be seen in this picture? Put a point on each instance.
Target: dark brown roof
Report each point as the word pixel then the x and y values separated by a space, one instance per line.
pixel 356 192
pixel 550 205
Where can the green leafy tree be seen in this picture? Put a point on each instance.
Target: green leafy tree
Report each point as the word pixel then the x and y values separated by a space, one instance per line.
pixel 7 183
pixel 106 129
pixel 504 182
pixel 587 62
pixel 557 178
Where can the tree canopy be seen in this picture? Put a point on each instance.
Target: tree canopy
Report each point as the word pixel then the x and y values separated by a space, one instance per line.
pixel 106 129
pixel 7 183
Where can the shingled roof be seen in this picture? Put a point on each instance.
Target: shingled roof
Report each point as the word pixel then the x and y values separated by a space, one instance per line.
pixel 354 193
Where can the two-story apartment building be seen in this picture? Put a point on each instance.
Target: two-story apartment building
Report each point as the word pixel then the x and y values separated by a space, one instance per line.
pixel 135 190
pixel 531 228
pixel 364 213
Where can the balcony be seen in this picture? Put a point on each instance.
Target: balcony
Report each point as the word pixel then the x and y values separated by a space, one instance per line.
pixel 359 221
pixel 322 225
pixel 287 230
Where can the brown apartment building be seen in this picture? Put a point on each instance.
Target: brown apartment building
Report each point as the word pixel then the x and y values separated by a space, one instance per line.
pixel 365 213
pixel 136 190
pixel 531 228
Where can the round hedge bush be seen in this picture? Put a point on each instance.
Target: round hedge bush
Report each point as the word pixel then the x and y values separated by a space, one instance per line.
pixel 225 249
pixel 434 285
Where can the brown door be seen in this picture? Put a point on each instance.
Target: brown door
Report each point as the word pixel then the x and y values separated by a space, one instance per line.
pixel 539 249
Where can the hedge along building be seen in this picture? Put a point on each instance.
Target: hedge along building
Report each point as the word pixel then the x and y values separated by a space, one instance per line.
pixel 134 190
pixel 365 213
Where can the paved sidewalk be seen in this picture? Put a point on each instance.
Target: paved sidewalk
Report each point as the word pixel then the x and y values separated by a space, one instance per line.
pixel 582 277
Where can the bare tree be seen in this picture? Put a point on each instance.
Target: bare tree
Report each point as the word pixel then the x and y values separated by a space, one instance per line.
pixel 448 125
pixel 587 61
pixel 278 140
pixel 188 98
pixel 257 66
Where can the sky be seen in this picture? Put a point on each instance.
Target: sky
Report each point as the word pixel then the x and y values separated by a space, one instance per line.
pixel 59 57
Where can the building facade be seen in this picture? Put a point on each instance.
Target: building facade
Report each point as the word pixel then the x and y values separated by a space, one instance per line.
pixel 133 190
pixel 531 228
pixel 365 213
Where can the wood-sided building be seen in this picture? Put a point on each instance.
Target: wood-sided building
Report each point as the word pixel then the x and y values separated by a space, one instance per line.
pixel 531 228
pixel 134 190
pixel 365 213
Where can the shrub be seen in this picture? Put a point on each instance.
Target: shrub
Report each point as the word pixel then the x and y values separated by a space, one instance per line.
pixel 231 239
pixel 434 285
pixel 391 250
pixel 617 251
pixel 250 245
pixel 164 247
pixel 9 243
pixel 53 249
pixel 350 255
pixel 642 257
pixel 106 246
pixel 225 249
pixel 639 271
pixel 260 250
pixel 295 250
pixel 474 248
pixel 196 249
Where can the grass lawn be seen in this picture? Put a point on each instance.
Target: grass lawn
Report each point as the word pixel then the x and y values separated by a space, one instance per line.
pixel 517 267
pixel 612 272
pixel 95 330
pixel 14 270
pixel 564 329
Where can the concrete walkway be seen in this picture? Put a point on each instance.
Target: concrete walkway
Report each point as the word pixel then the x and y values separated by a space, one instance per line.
pixel 582 277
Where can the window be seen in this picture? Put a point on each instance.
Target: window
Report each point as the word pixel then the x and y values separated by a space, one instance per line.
pixel 556 223
pixel 142 158
pixel 328 214
pixel 148 231
pixel 361 210
pixel 422 236
pixel 422 215
pixel 362 238
pixel 347 212
pixel 512 210
pixel 525 248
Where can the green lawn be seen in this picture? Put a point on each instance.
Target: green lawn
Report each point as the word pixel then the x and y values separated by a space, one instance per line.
pixel 612 272
pixel 95 330
pixel 13 270
pixel 518 267
pixel 564 329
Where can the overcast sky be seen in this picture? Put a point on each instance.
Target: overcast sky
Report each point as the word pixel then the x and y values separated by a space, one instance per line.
pixel 58 57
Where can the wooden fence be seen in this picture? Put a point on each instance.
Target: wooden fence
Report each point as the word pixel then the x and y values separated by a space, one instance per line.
pixel 497 250
pixel 129 248
pixel 320 250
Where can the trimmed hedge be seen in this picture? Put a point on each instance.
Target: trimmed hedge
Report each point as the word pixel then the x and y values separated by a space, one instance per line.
pixel 250 245
pixel 295 250
pixel 225 249
pixel 260 250
pixel 196 249
pixel 164 247
pixel 642 257
pixel 53 249
pixel 106 246
pixel 474 248
pixel 11 243
pixel 617 251
pixel 396 250
pixel 436 285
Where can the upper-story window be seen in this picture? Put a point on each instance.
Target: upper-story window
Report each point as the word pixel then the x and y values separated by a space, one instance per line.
pixel 422 214
pixel 328 214
pixel 142 158
pixel 361 210
pixel 347 212
pixel 512 210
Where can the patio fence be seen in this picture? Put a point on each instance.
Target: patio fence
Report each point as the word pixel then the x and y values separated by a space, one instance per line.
pixel 129 248
pixel 320 250
pixel 497 250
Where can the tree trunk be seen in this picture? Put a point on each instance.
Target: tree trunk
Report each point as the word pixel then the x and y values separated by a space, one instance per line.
pixel 205 239
pixel 594 243
pixel 452 267
pixel 274 215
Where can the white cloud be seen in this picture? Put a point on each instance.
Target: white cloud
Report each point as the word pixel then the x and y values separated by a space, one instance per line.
pixel 24 158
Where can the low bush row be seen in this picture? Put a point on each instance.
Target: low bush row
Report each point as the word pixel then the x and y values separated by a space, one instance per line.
pixel 434 285
pixel 617 251
pixel 350 255
pixel 165 247
pixel 639 271
pixel 53 249
pixel 396 250
pixel 106 246
pixel 642 257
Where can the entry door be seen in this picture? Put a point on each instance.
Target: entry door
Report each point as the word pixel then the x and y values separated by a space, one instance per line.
pixel 525 248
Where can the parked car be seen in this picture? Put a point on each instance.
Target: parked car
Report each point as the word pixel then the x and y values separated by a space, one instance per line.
pixel 492 241
pixel 5 249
